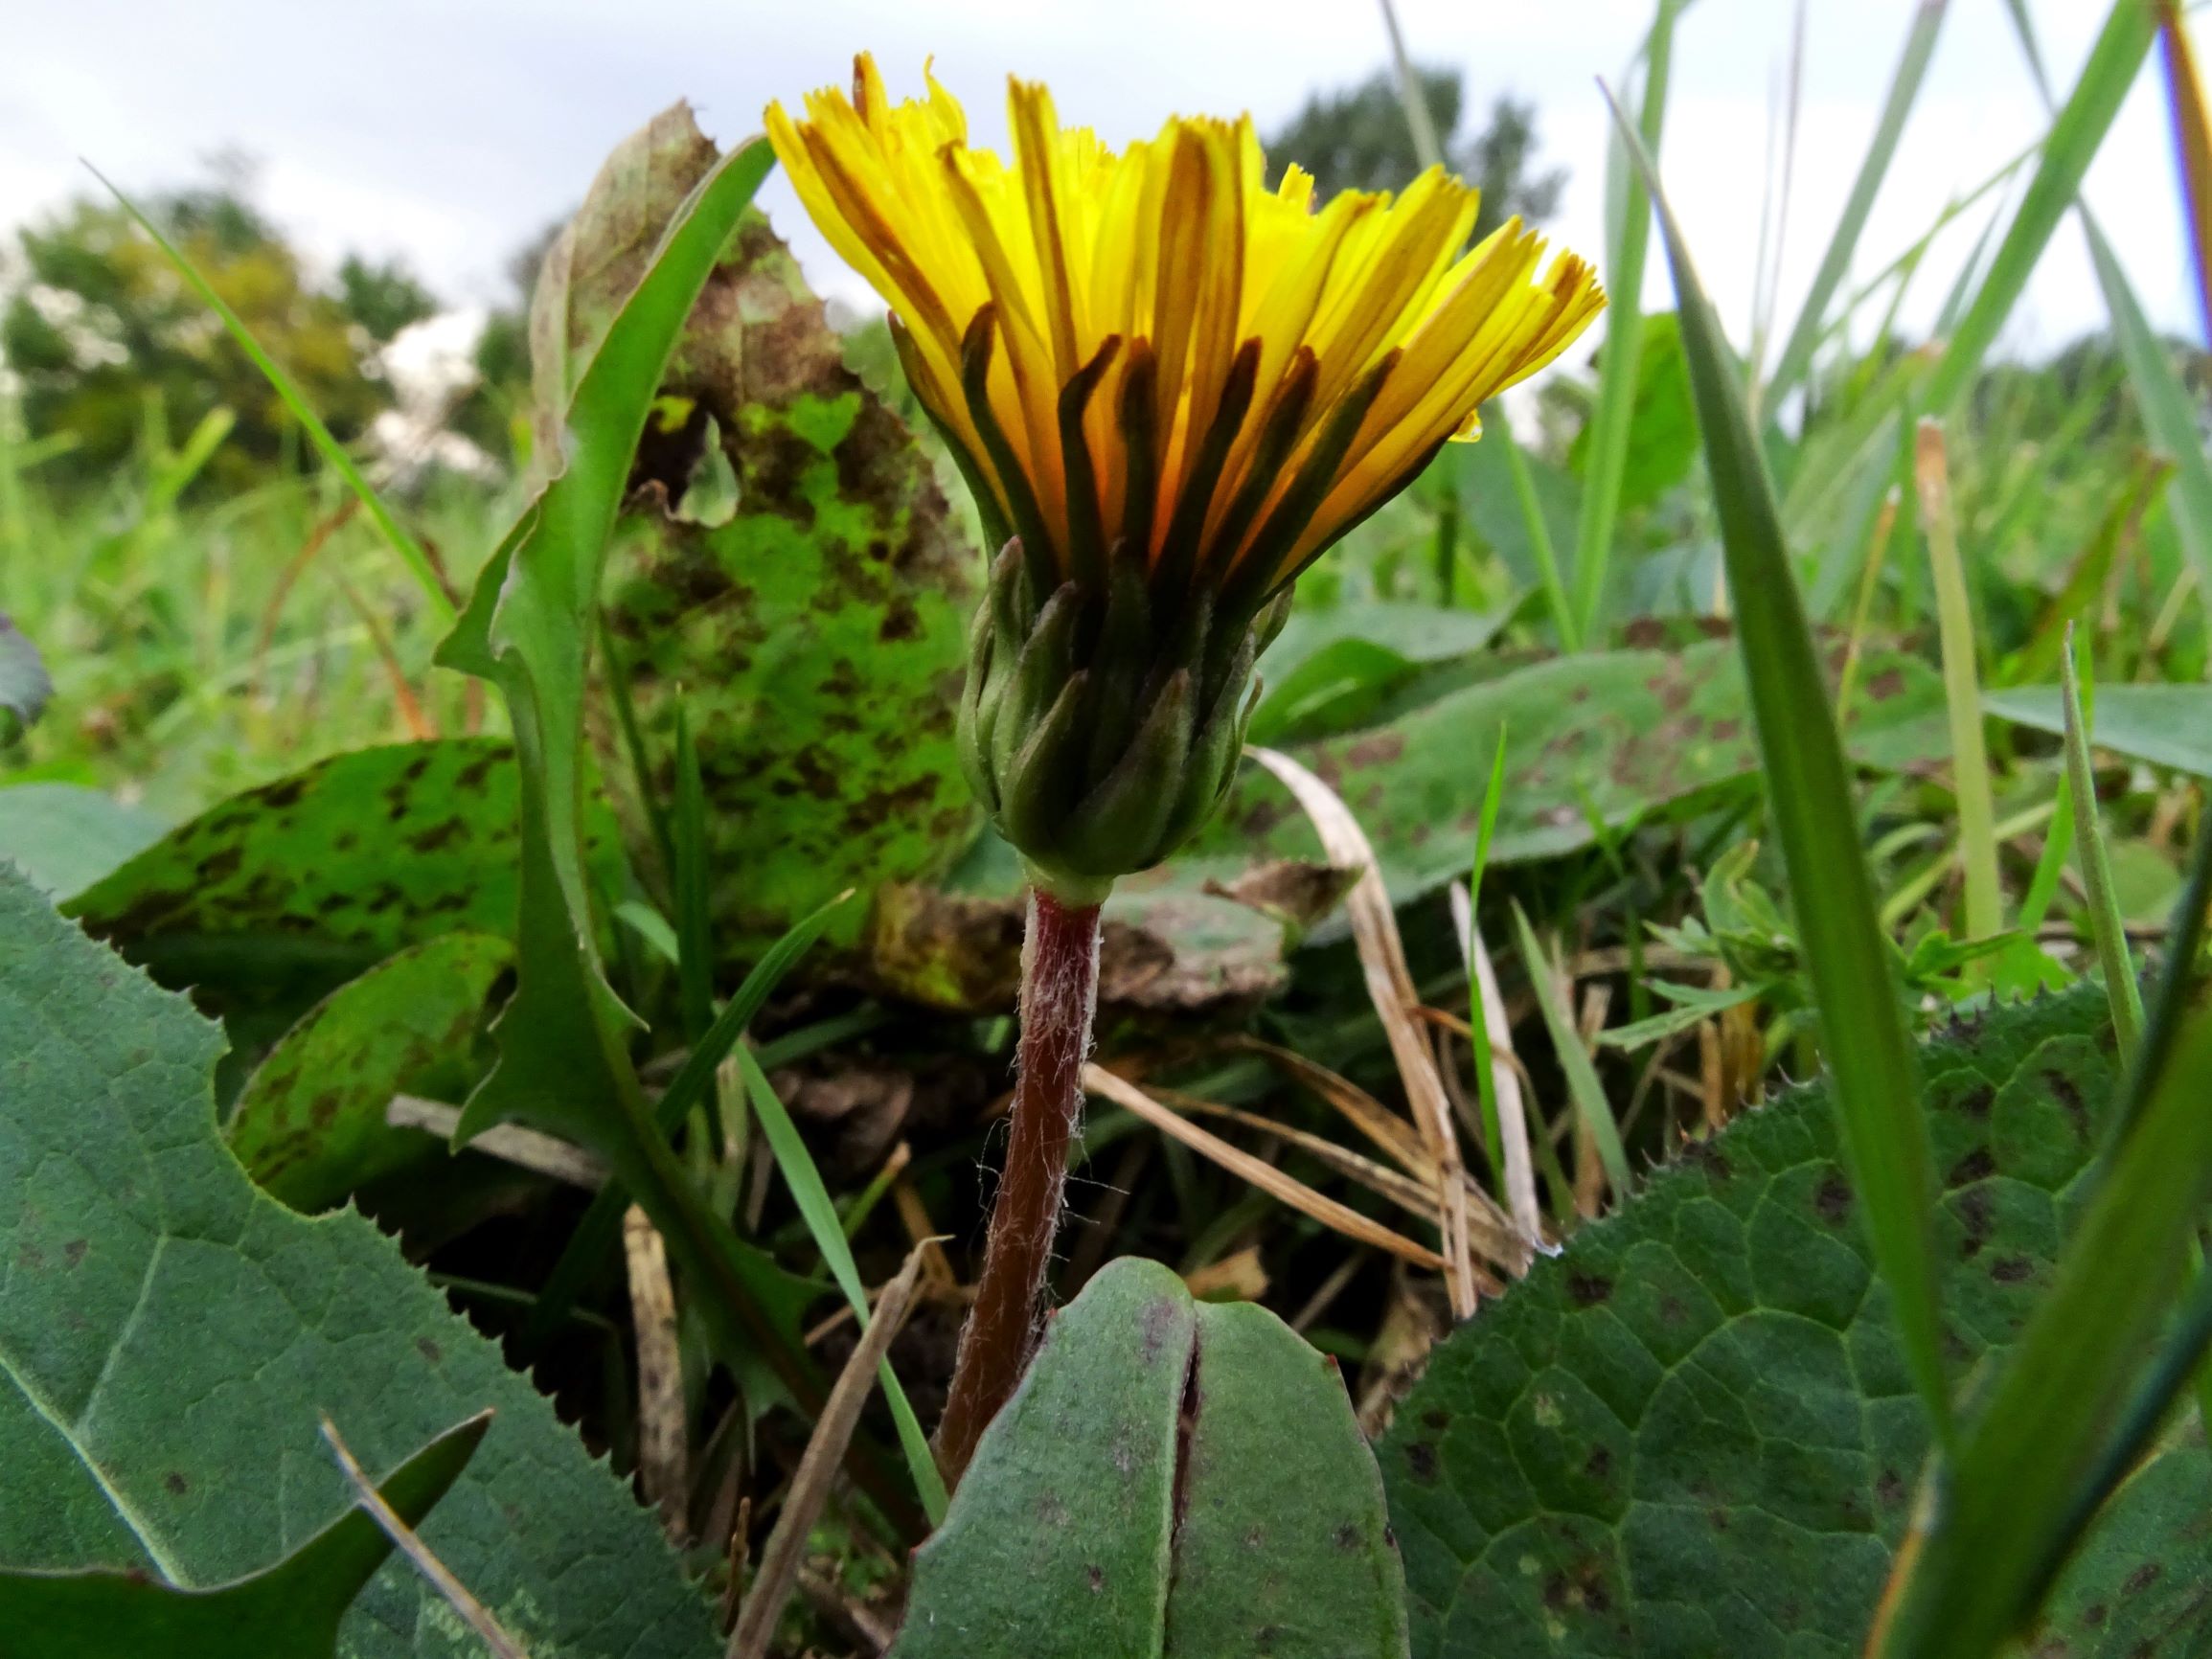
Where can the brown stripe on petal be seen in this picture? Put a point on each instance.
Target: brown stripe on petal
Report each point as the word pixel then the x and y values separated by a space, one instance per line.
pixel 975 348
pixel 1286 419
pixel 1179 552
pixel 1086 518
pixel 1140 452
pixel 873 232
pixel 974 471
pixel 1253 576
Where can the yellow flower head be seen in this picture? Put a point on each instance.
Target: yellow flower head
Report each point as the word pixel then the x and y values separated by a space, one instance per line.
pixel 1148 356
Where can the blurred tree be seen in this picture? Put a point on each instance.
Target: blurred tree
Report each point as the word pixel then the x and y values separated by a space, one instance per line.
pixel 1358 140
pixel 382 299
pixel 109 341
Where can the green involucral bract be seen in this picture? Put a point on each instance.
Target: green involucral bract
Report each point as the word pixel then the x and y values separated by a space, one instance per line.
pixel 1101 730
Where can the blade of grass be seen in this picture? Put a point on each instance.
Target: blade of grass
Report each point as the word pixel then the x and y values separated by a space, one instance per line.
pixel 2106 927
pixel 820 1213
pixel 1497 428
pixel 396 535
pixel 2071 144
pixel 596 1234
pixel 1844 243
pixel 1618 357
pixel 2169 410
pixel 1869 1053
pixel 655 812
pixel 1869 580
pixel 1961 694
pixel 1479 1027
pixel 1591 1107
pixel 1418 123
pixel 694 921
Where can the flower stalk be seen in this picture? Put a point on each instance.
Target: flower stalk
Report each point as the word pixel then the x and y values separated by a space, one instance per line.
pixel 1058 998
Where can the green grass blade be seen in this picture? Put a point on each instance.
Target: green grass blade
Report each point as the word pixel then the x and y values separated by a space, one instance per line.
pixel 1869 1053
pixel 1479 1027
pixel 2071 144
pixel 1419 124
pixel 595 1236
pixel 634 748
pixel 396 535
pixel 1880 151
pixel 1498 429
pixel 1961 693
pixel 2106 927
pixel 1618 357
pixel 820 1213
pixel 1587 1093
pixel 2168 409
pixel 694 920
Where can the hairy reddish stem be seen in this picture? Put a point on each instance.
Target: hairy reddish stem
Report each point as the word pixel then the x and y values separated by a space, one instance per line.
pixel 1058 995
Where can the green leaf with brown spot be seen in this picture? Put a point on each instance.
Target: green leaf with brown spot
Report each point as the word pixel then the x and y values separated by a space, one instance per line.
pixel 1695 1433
pixel 298 885
pixel 1620 736
pixel 309 1124
pixel 817 636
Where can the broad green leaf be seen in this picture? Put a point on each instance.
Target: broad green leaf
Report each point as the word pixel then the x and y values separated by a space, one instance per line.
pixel 1662 423
pixel 2071 144
pixel 817 634
pixel 321 875
pixel 1693 1433
pixel 64 836
pixel 310 1124
pixel 1088 1525
pixel 291 1610
pixel 169 1335
pixel 1807 787
pixel 1522 505
pixel 1329 670
pixel 2165 725
pixel 1617 735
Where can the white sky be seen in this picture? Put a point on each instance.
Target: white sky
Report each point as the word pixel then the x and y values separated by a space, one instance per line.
pixel 450 132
